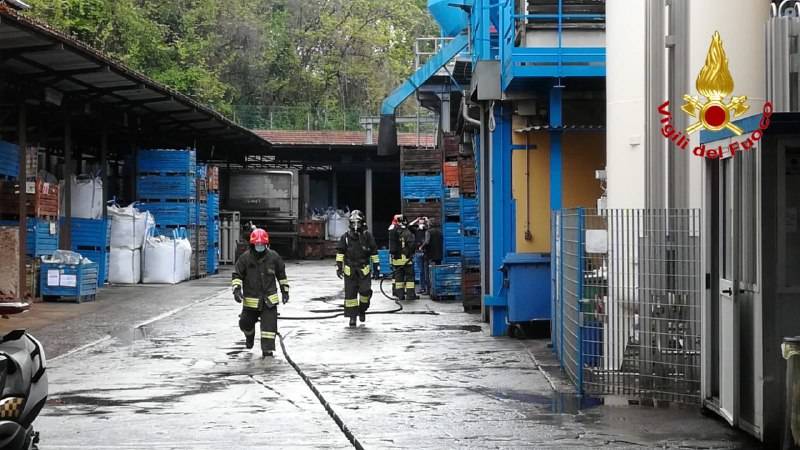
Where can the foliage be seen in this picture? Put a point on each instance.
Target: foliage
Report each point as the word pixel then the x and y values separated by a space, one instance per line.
pixel 321 55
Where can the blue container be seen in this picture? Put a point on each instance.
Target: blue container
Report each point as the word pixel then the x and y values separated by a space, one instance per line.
pixel 527 279
pixel 452 207
pixel 213 205
pixel 89 234
pixel 100 257
pixel 212 262
pixel 453 240
pixel 421 187
pixel 452 19
pixel 472 251
pixel 202 171
pixel 9 159
pixel 201 214
pixel 445 280
pixel 470 212
pixel 167 161
pixel 41 238
pixel 82 276
pixel 168 214
pixel 160 187
pixel 386 261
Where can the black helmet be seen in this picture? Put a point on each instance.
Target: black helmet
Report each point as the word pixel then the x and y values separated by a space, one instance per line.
pixel 357 220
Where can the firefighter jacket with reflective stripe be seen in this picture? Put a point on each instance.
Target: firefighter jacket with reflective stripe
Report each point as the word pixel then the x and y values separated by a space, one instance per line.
pixel 401 245
pixel 357 251
pixel 260 276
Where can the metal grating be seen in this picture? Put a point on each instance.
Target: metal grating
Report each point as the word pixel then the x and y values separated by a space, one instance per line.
pixel 626 302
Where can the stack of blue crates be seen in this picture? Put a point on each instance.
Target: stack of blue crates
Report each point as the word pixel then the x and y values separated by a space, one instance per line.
pixel 470 229
pixel 41 237
pixel 445 281
pixel 92 239
pixel 213 232
pixel 9 160
pixel 166 187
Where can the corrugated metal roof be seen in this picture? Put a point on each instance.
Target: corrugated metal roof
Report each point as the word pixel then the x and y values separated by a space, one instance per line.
pixel 339 138
pixel 39 55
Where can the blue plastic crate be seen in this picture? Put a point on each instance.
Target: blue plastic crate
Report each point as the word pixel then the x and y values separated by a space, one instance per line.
pixel 213 205
pixel 453 240
pixel 421 187
pixel 9 159
pixel 39 240
pixel 385 260
pixel 159 187
pixel 57 280
pixel 445 280
pixel 213 231
pixel 201 213
pixel 167 161
pixel 86 234
pixel 212 262
pixel 472 251
pixel 101 257
pixel 452 207
pixel 171 213
pixel 470 212
pixel 202 171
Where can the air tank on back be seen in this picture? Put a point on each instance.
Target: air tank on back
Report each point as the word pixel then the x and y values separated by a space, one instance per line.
pixel 452 19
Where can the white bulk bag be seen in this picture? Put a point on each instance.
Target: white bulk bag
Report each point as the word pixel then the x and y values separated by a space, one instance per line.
pixel 160 257
pixel 337 226
pixel 129 226
pixel 184 260
pixel 87 197
pixel 125 266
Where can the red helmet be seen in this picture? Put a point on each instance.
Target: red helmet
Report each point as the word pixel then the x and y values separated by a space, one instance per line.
pixel 259 237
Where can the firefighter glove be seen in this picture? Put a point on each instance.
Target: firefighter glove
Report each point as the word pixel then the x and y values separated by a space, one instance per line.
pixel 339 270
pixel 285 297
pixel 237 294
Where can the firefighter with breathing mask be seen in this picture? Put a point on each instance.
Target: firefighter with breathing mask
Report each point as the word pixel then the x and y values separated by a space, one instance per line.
pixel 355 253
pixel 257 276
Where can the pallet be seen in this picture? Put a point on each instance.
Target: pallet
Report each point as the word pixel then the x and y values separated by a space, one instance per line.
pixel 452 145
pixel 446 297
pixel 74 299
pixel 167 161
pixel 421 187
pixel 420 160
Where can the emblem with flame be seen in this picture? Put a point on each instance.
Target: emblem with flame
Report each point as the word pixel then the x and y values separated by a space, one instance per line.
pixel 715 83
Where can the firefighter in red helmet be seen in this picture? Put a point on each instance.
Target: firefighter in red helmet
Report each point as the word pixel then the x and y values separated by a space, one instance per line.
pixel 257 276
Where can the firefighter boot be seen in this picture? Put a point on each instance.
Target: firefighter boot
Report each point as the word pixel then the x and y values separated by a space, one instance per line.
pixel 266 355
pixel 362 316
pixel 353 321
pixel 249 340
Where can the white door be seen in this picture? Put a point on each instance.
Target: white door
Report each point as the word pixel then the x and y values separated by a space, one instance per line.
pixel 728 320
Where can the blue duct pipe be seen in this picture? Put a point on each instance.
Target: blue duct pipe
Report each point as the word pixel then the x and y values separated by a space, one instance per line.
pixel 387 134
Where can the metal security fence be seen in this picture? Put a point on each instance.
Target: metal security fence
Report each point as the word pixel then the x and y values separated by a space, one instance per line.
pixel 626 301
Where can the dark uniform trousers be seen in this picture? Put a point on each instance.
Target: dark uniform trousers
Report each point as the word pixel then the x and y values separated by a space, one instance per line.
pixel 268 314
pixel 357 291
pixel 404 286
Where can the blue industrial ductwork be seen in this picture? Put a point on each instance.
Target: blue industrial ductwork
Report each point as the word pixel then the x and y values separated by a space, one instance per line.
pixel 454 21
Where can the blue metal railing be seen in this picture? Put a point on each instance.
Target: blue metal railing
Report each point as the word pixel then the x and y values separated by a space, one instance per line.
pixel 556 61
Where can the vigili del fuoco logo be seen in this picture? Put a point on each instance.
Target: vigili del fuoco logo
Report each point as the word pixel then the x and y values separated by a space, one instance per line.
pixel 715 113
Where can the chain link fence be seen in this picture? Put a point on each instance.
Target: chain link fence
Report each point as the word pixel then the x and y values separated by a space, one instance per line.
pixel 626 301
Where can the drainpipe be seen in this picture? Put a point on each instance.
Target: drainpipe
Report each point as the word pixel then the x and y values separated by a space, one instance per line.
pixel 465 113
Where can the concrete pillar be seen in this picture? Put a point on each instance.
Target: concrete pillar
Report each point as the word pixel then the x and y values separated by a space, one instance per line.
pixel 23 209
pixel 103 164
pixel 334 189
pixel 368 197
pixel 66 229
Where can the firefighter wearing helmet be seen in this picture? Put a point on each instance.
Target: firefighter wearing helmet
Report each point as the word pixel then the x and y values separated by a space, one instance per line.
pixel 355 253
pixel 257 276
pixel 402 249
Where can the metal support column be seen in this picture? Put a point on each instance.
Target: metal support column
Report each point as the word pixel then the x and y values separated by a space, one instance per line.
pixel 66 229
pixel 556 163
pixel 445 112
pixel 503 216
pixel 103 166
pixel 334 190
pixel 368 198
pixel 23 197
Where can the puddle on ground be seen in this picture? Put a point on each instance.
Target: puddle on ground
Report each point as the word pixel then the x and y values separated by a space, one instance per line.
pixel 556 403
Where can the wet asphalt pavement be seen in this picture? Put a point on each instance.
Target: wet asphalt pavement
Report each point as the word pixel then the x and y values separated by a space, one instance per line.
pixel 406 380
